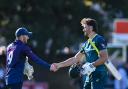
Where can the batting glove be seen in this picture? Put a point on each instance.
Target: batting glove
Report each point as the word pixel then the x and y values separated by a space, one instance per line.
pixel 87 69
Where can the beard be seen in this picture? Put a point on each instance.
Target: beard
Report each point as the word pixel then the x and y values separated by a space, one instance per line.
pixel 85 33
pixel 25 40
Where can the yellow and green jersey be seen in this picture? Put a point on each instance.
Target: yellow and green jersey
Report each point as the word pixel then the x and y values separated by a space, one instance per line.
pixel 90 51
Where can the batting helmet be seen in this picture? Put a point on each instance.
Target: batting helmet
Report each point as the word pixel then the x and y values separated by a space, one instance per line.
pixel 74 71
pixel 22 31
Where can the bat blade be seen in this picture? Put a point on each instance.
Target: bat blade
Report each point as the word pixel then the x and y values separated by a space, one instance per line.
pixel 113 70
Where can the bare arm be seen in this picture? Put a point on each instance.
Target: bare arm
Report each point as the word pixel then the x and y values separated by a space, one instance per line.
pixel 77 58
pixel 103 57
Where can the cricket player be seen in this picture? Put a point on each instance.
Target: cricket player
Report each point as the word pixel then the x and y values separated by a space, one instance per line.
pixel 94 62
pixel 16 53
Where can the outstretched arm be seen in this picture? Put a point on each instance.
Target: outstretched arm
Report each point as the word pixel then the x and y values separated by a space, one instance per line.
pixel 28 52
pixel 77 58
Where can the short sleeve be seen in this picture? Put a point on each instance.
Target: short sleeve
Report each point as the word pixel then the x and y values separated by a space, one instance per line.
pixel 101 43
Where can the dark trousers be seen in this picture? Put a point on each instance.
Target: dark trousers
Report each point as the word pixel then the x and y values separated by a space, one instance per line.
pixel 14 86
pixel 98 80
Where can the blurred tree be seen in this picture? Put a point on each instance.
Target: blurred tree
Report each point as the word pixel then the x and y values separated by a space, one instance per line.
pixel 58 19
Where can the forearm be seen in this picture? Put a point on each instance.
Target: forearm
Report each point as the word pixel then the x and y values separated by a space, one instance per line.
pixel 39 61
pixel 68 62
pixel 42 63
pixel 100 61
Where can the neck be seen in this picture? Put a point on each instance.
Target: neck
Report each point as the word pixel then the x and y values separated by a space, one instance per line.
pixel 91 35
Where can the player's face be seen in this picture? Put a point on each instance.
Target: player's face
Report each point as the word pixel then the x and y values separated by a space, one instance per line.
pixel 86 29
pixel 25 38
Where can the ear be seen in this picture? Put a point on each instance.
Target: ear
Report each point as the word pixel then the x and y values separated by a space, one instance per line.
pixel 91 27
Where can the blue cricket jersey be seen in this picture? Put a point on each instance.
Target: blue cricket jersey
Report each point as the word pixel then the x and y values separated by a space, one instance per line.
pixel 90 52
pixel 16 55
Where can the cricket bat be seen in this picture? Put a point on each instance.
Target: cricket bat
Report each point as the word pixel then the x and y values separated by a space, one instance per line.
pixel 113 69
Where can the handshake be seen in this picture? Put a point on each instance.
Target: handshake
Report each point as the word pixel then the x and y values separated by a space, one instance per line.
pixel 55 66
pixel 86 69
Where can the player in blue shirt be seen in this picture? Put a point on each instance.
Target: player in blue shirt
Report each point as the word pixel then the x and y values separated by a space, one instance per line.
pixel 16 53
pixel 94 62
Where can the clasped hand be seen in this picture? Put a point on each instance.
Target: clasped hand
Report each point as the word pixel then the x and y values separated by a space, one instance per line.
pixel 54 67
